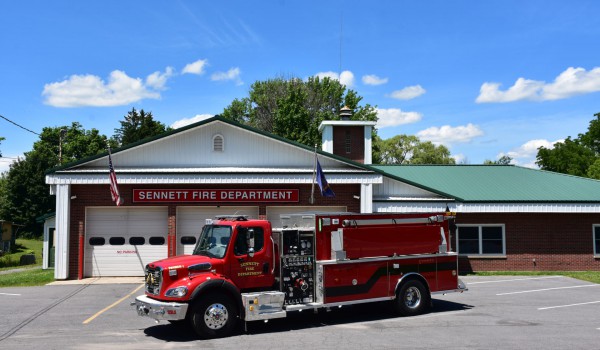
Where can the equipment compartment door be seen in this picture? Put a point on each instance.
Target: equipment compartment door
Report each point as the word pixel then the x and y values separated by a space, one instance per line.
pixel 355 281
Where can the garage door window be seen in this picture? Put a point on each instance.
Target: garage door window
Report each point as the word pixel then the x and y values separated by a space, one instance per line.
pixel 481 240
pixel 188 240
pixel 97 240
pixel 137 240
pixel 156 240
pixel 116 241
pixel 597 240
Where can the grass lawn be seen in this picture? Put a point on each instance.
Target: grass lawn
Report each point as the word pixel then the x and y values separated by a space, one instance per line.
pixel 29 277
pixel 33 275
pixel 23 246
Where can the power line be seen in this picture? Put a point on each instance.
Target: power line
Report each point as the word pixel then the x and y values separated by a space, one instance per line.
pixel 20 126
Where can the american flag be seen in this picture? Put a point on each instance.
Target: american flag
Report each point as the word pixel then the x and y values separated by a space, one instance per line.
pixel 114 189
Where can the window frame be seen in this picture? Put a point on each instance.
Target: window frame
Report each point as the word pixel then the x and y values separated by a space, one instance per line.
pixel 595 238
pixel 480 240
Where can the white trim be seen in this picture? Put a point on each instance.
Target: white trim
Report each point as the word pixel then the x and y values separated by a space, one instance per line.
pixel 368 158
pixel 63 219
pixel 296 179
pixel 366 198
pixel 49 223
pixel 345 123
pixel 594 238
pixel 480 240
pixel 421 205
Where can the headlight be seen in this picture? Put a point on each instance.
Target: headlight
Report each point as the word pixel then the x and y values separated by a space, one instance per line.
pixel 178 292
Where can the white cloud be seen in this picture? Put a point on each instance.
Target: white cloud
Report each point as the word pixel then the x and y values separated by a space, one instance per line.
pixel 91 90
pixel 459 158
pixel 195 67
pixel 448 135
pixel 187 121
pixel 372 79
pixel 395 116
pixel 346 78
pixel 571 82
pixel 408 93
pixel 158 80
pixel 231 75
pixel 525 155
pixel 6 161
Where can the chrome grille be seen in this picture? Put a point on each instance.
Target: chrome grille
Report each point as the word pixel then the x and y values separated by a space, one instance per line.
pixel 153 280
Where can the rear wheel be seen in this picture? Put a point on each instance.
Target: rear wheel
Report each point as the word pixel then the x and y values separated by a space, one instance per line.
pixel 213 316
pixel 413 298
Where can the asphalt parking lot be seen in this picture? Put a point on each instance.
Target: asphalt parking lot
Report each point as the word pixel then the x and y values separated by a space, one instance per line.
pixel 549 312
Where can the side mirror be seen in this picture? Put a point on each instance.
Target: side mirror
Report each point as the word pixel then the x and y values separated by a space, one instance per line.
pixel 250 241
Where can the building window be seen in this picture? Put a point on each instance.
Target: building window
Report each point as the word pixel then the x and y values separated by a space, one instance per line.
pixel 481 239
pixel 218 143
pixel 596 240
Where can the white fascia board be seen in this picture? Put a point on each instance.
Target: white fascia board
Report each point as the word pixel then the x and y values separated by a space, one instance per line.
pixel 420 206
pixel 345 123
pixel 307 178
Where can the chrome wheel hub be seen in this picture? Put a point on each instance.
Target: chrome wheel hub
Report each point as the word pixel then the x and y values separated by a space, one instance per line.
pixel 216 316
pixel 412 297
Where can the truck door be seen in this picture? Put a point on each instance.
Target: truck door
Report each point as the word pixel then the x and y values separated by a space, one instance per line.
pixel 252 271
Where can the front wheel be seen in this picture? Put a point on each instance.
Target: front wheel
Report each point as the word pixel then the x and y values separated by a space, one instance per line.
pixel 413 299
pixel 213 316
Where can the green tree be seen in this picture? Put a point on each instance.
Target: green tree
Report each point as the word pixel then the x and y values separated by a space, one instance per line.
pixel 137 126
pixel 1 139
pixel 26 196
pixel 294 109
pixel 504 160
pixel 568 157
pixel 408 149
pixel 593 171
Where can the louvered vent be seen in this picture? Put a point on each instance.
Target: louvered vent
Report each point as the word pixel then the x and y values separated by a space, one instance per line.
pixel 218 143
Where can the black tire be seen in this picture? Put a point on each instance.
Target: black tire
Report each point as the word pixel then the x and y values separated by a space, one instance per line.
pixel 413 298
pixel 213 316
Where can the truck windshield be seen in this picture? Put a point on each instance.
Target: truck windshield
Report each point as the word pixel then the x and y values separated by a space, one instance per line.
pixel 213 241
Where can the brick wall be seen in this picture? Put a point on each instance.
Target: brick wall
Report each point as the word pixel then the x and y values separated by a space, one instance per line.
pixel 357 142
pixel 557 242
pixel 99 195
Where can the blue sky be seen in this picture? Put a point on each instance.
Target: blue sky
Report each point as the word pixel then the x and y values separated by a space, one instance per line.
pixel 484 78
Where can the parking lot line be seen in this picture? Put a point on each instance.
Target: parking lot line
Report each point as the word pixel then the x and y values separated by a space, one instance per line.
pixel 516 279
pixel 111 306
pixel 546 289
pixel 559 306
pixel 10 294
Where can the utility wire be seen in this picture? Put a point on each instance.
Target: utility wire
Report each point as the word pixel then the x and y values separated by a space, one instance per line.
pixel 20 126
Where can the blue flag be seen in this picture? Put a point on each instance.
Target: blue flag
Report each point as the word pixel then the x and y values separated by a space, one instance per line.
pixel 326 191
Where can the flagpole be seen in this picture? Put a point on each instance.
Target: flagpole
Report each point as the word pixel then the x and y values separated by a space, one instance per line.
pixel 314 178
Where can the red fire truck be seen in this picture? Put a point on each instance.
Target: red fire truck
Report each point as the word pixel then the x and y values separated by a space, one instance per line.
pixel 246 270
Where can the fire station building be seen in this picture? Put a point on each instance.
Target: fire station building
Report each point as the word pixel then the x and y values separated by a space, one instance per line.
pixel 508 218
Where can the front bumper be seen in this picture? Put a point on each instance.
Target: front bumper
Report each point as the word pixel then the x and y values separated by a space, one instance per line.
pixel 160 310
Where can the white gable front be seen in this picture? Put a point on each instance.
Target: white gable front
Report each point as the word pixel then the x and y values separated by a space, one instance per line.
pixel 188 156
pixel 193 148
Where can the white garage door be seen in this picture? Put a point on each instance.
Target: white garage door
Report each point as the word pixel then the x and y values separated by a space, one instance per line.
pixel 190 221
pixel 121 241
pixel 273 213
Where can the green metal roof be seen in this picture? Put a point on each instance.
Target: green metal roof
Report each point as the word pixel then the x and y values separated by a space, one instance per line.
pixel 497 183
